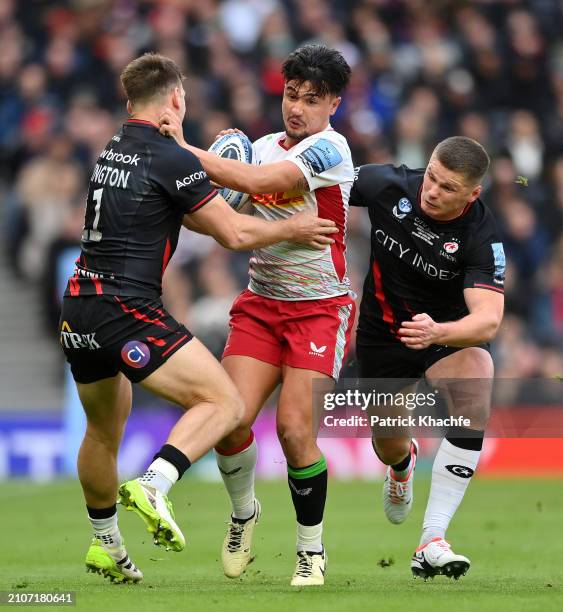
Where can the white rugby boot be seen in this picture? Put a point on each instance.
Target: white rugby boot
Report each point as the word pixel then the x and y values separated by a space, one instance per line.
pixel 437 557
pixel 398 494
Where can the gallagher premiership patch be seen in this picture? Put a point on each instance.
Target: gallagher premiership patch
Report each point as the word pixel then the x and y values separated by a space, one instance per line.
pixel 320 156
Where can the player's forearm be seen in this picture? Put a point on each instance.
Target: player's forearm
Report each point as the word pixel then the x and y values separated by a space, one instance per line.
pixel 254 233
pixel 229 172
pixel 475 328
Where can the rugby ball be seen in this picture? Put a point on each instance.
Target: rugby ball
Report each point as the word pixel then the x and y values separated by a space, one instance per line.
pixel 234 146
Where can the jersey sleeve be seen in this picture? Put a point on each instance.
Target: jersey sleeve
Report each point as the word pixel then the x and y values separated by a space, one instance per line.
pixel 485 262
pixel 369 182
pixel 184 180
pixel 324 159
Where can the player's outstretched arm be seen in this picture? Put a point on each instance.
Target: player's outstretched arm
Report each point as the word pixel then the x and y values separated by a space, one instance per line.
pixel 242 232
pixel 247 178
pixel 479 326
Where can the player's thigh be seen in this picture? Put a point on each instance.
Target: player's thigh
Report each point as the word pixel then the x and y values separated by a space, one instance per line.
pixel 317 333
pixel 255 380
pixel 192 375
pixel 464 379
pixel 296 416
pixel 107 404
pixel 470 362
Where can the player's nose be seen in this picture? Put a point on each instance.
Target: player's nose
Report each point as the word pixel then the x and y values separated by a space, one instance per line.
pixel 297 108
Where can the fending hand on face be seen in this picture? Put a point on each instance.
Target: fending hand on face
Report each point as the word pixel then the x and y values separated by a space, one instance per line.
pixel 171 126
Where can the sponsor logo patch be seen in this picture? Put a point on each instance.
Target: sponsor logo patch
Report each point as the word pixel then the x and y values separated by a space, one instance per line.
pixel 306 491
pixel 136 354
pixel 316 350
pixel 404 205
pixel 320 156
pixel 402 208
pixel 231 472
pixel 72 340
pixel 460 470
pixel 451 247
pixel 196 177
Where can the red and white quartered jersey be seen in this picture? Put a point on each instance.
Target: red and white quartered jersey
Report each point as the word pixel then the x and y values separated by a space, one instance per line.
pixel 289 271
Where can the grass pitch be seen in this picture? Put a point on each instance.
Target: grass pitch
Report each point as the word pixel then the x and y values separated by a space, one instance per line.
pixel 510 529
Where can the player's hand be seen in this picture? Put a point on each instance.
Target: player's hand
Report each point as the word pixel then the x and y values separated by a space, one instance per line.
pixel 420 333
pixel 170 125
pixel 229 131
pixel 311 230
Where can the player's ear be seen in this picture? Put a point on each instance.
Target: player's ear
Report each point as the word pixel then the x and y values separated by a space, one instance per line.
pixel 129 108
pixel 176 98
pixel 476 193
pixel 335 103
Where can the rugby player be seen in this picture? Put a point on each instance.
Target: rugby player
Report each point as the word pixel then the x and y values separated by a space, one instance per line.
pixel 292 324
pixel 432 302
pixel 114 329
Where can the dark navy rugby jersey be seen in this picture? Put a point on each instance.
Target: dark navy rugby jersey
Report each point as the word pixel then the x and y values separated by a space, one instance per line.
pixel 418 264
pixel 141 187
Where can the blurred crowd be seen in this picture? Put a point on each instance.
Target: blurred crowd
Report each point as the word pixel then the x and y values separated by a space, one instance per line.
pixel 421 70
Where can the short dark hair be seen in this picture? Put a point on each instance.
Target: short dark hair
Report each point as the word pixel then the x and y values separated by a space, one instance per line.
pixel 326 69
pixel 150 76
pixel 465 155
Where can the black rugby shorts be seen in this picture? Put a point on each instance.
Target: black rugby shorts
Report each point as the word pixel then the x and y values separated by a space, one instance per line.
pixel 392 359
pixel 103 335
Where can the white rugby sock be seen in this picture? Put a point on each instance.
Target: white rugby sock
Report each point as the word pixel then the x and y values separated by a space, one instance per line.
pixel 160 475
pixel 451 473
pixel 107 531
pixel 309 538
pixel 237 470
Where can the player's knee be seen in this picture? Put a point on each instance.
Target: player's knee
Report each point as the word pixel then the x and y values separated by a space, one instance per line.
pixel 237 437
pixel 232 410
pixel 109 438
pixel 390 450
pixel 295 437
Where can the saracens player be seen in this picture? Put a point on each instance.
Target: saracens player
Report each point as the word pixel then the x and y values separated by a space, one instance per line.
pixel 432 301
pixel 292 325
pixel 114 329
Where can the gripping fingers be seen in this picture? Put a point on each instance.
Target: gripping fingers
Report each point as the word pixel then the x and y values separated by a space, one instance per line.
pixel 324 240
pixel 321 243
pixel 229 131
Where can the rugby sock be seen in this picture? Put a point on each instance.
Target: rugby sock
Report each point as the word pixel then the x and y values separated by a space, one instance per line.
pixel 104 523
pixel 237 467
pixel 308 487
pixel 401 469
pixel 453 468
pixel 168 466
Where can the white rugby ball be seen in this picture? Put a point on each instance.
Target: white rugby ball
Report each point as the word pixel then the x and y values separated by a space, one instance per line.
pixel 234 146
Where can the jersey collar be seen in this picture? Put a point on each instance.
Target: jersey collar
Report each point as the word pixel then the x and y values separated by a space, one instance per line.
pixel 141 122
